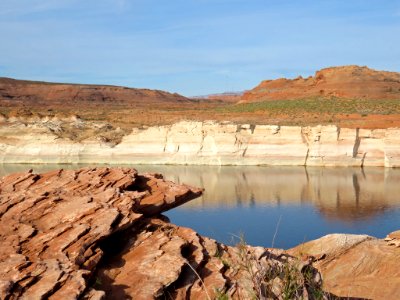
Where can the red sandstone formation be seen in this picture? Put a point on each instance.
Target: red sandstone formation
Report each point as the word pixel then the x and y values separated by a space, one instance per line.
pixel 51 224
pixel 88 234
pixel 160 259
pixel 17 91
pixel 96 233
pixel 356 266
pixel 342 82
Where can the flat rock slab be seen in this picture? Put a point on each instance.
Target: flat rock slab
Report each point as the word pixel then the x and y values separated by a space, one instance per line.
pixel 51 225
pixel 356 266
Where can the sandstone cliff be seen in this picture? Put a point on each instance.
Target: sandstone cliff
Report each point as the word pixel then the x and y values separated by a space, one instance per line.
pixel 198 143
pixel 342 82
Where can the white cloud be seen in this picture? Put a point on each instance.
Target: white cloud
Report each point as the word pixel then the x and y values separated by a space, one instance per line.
pixel 22 7
pixel 122 4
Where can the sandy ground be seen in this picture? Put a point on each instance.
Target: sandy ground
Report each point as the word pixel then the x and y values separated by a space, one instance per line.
pixel 127 116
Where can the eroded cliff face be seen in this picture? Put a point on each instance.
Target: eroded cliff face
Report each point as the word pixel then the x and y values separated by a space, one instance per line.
pixel 342 82
pixel 202 143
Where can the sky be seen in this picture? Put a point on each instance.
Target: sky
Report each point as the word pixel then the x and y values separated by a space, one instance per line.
pixel 193 47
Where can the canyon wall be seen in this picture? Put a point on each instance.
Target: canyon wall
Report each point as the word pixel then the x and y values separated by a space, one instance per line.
pixel 203 143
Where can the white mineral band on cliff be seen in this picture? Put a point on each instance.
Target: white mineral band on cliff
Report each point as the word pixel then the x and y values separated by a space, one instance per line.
pixel 207 143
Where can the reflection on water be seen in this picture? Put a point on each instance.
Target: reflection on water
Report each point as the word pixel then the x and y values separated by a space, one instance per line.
pixel 302 202
pixel 338 193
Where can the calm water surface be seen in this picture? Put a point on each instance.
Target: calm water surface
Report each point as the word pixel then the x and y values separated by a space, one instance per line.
pixel 294 204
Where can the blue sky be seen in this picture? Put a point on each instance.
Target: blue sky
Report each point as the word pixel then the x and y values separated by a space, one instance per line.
pixel 193 47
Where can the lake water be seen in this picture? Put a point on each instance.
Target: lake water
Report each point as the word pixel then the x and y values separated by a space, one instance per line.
pixel 279 206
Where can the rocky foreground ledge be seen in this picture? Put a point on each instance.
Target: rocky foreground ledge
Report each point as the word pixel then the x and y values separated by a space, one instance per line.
pixel 97 233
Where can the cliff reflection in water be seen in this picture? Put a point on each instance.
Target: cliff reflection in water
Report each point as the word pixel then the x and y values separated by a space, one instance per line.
pixel 345 194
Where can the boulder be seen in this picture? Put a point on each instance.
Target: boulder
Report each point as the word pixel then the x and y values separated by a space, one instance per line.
pixel 356 266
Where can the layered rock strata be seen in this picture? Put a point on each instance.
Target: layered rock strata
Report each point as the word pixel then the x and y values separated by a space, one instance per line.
pixel 352 82
pixel 51 225
pixel 356 266
pixel 96 233
pixel 88 234
pixel 164 260
pixel 202 143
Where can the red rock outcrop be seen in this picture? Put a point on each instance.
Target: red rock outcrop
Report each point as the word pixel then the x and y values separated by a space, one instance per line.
pixel 161 259
pixel 342 82
pixel 51 224
pixel 88 234
pixel 17 91
pixel 356 266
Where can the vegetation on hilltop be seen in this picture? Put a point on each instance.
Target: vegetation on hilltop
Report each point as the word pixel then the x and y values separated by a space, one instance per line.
pixel 351 113
pixel 331 105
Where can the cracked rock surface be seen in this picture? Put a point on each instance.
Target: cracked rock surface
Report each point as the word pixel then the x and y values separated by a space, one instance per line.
pixel 98 233
pixel 51 225
pixel 356 266
pixel 162 260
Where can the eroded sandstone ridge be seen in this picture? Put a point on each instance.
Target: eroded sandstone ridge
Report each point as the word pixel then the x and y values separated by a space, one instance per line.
pixel 89 234
pixel 341 82
pixel 164 260
pixel 51 224
pixel 35 92
pixel 198 143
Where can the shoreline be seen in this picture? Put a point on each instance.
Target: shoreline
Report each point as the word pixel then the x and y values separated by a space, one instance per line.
pixel 202 143
pixel 365 194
